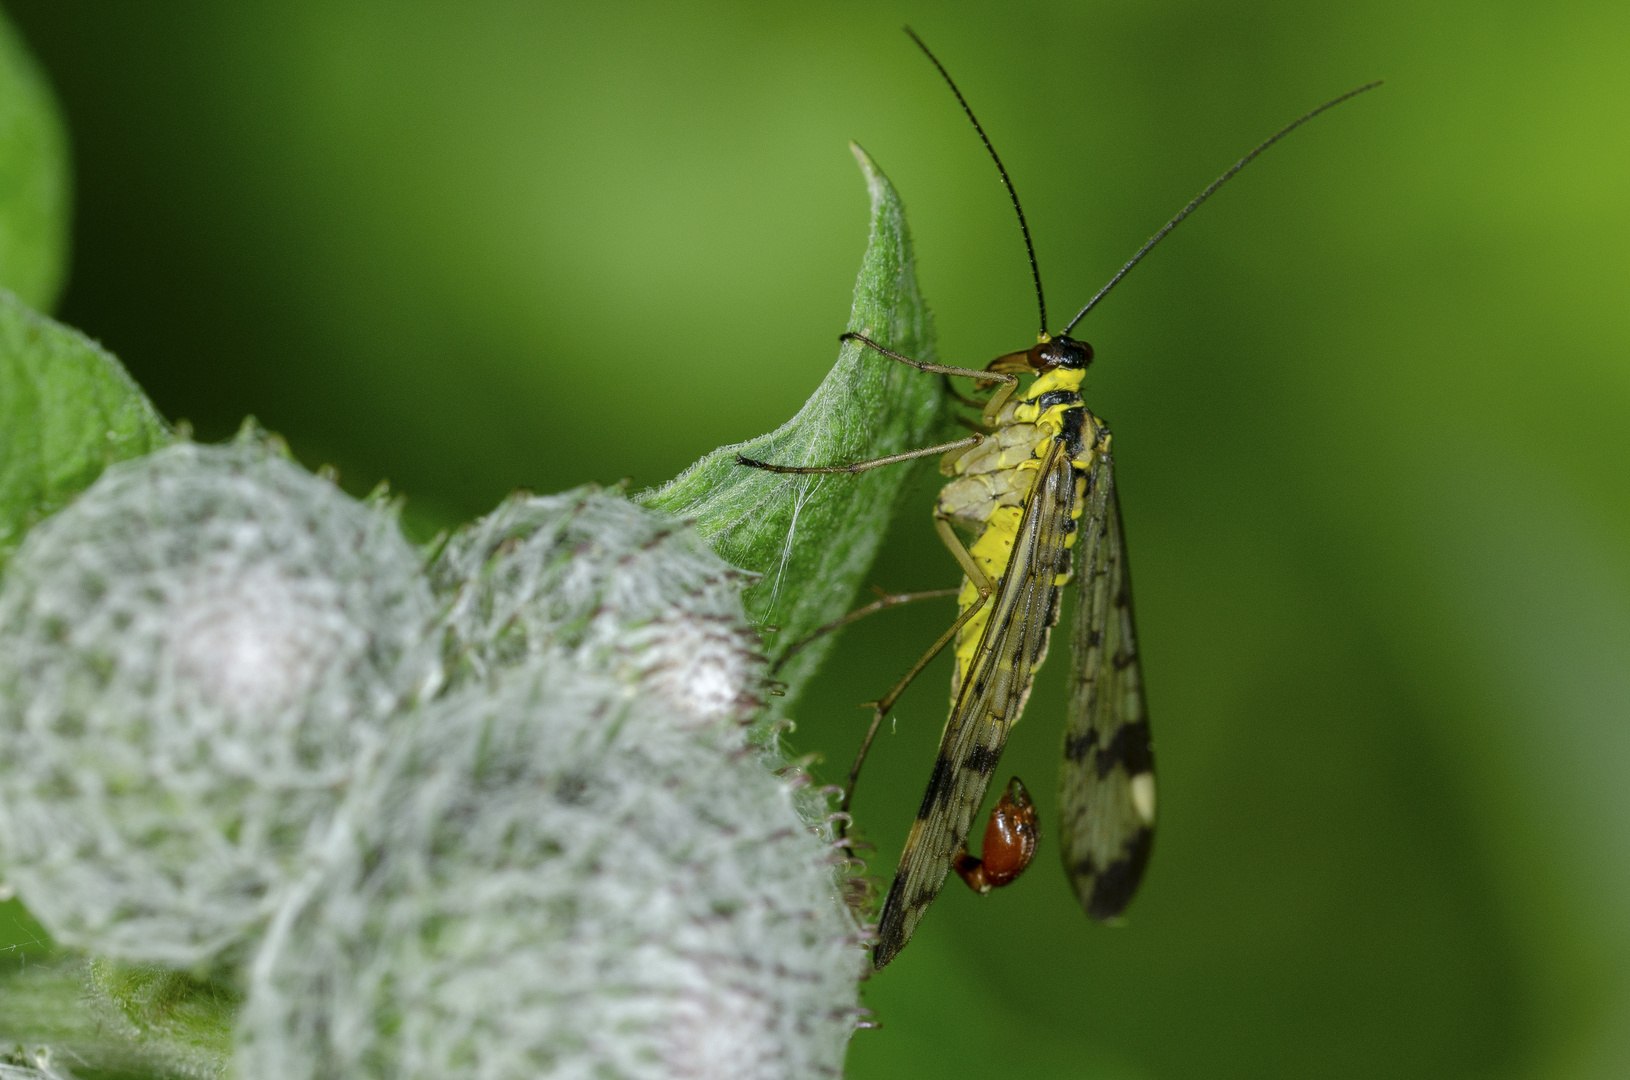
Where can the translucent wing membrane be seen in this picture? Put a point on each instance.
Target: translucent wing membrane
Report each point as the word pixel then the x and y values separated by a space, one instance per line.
pixel 1025 608
pixel 1107 783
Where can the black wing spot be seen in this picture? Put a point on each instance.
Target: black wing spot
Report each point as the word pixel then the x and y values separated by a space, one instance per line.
pixel 982 760
pixel 1078 747
pixel 940 783
pixel 1131 746
pixel 1116 885
pixel 1095 638
pixel 1124 660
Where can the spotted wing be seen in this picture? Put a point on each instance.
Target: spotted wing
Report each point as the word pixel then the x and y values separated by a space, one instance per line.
pixel 1025 608
pixel 1107 783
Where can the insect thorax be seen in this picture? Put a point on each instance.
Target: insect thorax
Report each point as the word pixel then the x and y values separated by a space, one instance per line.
pixel 993 480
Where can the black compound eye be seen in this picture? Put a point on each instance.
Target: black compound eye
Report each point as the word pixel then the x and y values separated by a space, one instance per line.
pixel 1066 352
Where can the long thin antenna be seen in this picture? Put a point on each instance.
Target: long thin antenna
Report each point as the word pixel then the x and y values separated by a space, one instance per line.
pixel 1024 227
pixel 1206 194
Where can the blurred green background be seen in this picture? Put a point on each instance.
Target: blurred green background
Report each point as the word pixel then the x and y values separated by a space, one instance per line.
pixel 1369 411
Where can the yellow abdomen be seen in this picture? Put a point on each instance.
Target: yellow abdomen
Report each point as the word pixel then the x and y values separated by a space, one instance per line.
pixel 992 483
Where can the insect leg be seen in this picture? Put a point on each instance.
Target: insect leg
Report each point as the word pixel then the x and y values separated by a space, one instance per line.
pixel 924 365
pixel 885 600
pixel 953 543
pixel 972 403
pixel 880 708
pixel 1009 381
pixel 862 466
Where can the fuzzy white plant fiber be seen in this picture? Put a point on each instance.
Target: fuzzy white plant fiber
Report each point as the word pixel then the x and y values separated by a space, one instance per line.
pixel 551 876
pixel 624 591
pixel 200 652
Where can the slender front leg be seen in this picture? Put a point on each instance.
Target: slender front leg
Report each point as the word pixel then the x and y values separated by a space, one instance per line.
pixel 862 466
pixel 1009 381
pixel 924 365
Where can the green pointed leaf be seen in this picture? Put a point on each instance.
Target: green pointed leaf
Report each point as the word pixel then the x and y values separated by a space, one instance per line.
pixel 68 410
pixel 34 201
pixel 813 537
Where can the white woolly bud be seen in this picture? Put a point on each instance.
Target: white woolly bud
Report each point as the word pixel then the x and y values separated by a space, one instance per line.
pixel 200 651
pixel 32 1062
pixel 622 589
pixel 550 876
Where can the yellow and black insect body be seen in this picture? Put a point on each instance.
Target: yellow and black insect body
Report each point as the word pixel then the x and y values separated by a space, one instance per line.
pixel 1042 482
pixel 1037 488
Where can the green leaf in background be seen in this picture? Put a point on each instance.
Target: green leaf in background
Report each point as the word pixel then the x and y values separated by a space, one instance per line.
pixel 34 203
pixel 97 1018
pixel 813 537
pixel 68 410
